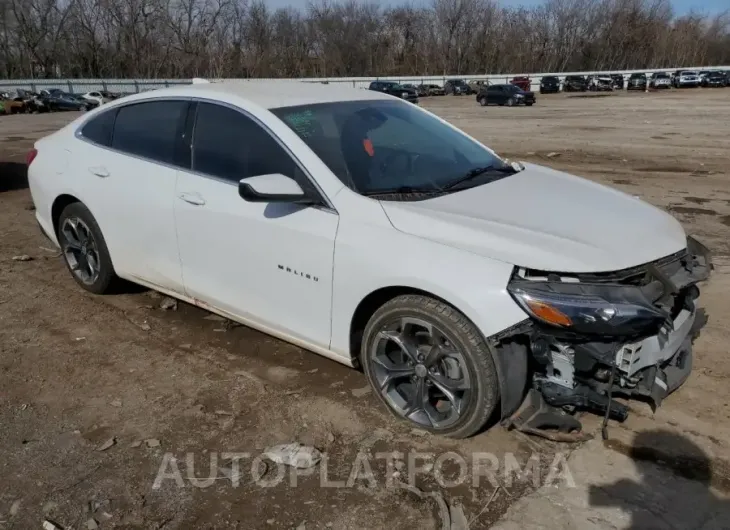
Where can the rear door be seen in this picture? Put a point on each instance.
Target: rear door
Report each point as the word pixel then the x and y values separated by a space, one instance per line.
pixel 128 169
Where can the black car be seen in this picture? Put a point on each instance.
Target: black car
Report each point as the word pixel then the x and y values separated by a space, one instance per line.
pixel 505 95
pixel 549 84
pixel 457 87
pixel 58 100
pixel 715 79
pixel 575 83
pixel 395 89
pixel 617 81
pixel 636 82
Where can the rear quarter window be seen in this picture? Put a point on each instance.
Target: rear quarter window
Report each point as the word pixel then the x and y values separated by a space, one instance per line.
pixel 99 129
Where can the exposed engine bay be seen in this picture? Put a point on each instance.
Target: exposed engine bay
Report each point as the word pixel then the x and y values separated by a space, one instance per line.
pixel 592 337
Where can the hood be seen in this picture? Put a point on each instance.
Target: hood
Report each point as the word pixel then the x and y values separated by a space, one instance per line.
pixel 544 219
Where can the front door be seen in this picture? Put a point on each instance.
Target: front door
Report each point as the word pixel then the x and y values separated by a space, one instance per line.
pixel 267 262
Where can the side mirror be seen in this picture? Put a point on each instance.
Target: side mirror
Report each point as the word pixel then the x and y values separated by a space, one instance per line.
pixel 274 187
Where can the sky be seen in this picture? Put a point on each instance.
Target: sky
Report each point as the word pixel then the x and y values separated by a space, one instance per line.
pixel 682 7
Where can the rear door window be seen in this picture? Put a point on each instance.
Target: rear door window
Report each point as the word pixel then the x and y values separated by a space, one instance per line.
pixel 150 129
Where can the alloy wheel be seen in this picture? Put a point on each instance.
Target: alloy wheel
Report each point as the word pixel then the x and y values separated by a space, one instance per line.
pixel 80 250
pixel 420 372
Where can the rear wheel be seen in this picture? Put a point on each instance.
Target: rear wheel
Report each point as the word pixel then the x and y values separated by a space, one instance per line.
pixel 430 366
pixel 483 101
pixel 84 249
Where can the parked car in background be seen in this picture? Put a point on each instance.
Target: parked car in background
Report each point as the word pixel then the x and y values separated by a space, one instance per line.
pixel 549 84
pixel 686 79
pixel 58 100
pixel 477 85
pixel 422 91
pixel 636 82
pixel 96 96
pixel 507 94
pixel 435 90
pixel 575 83
pixel 393 241
pixel 523 82
pixel 457 87
pixel 714 79
pixel 598 83
pixel 395 89
pixel 660 80
pixel 617 81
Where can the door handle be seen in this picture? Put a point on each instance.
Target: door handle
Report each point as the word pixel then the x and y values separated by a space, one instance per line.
pixel 192 198
pixel 99 171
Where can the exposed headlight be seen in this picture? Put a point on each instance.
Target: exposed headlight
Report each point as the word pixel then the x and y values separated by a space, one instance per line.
pixel 404 95
pixel 519 96
pixel 588 309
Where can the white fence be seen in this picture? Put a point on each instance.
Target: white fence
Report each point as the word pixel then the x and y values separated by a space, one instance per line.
pixel 80 86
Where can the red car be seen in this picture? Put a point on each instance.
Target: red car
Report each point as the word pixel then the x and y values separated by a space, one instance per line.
pixel 522 82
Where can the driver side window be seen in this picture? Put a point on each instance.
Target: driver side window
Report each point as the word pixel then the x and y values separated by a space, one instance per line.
pixel 230 146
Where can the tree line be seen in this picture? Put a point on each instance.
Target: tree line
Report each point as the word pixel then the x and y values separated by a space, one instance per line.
pixel 246 38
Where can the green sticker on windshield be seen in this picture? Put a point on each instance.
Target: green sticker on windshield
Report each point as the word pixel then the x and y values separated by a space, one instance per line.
pixel 303 123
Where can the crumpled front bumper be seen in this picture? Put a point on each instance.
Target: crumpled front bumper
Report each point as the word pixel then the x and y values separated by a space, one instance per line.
pixel 586 375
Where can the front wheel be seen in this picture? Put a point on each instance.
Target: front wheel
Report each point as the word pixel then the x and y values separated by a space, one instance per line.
pixel 529 103
pixel 510 102
pixel 430 366
pixel 483 101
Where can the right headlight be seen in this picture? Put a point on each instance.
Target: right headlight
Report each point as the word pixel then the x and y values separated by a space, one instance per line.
pixel 588 309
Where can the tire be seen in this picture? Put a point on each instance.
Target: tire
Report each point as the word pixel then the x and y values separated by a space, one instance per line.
pixel 464 354
pixel 529 103
pixel 88 244
pixel 483 101
pixel 510 102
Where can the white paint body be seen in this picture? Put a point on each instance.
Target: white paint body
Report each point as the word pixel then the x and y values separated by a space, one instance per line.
pixel 95 96
pixel 248 261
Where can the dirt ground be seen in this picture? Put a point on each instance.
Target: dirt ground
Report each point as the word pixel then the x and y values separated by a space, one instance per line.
pixel 98 394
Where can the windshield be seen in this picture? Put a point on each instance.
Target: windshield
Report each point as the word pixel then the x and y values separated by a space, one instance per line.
pixel 661 76
pixel 381 146
pixel 458 82
pixel 550 79
pixel 689 73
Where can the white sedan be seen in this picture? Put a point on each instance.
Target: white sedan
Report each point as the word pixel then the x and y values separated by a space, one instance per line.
pixel 370 231
pixel 98 97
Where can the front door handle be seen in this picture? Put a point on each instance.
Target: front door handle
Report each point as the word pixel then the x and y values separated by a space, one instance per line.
pixel 99 171
pixel 192 198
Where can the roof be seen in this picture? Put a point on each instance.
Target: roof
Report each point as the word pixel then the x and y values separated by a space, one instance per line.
pixel 273 94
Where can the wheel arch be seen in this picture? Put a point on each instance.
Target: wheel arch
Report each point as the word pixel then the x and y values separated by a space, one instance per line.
pixel 59 204
pixel 510 361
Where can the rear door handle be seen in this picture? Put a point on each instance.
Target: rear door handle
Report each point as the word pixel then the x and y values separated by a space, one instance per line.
pixel 192 198
pixel 99 171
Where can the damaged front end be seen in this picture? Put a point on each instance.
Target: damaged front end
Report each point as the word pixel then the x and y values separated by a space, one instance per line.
pixel 598 335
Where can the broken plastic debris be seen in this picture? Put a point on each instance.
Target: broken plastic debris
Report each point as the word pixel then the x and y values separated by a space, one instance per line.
pixel 294 454
pixel 360 392
pixel 22 257
pixel 14 508
pixel 152 442
pixel 48 525
pixel 106 445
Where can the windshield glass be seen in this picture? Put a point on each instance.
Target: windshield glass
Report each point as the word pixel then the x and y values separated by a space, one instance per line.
pixel 689 73
pixel 381 145
pixel 550 79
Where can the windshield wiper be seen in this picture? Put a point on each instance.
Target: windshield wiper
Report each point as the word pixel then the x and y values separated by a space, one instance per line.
pixel 401 190
pixel 477 171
